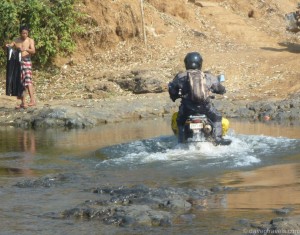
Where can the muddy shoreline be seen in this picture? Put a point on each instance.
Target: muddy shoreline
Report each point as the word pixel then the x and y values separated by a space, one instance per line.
pixel 83 113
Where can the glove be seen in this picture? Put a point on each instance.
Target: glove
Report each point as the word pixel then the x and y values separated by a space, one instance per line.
pixel 221 90
pixel 218 89
pixel 173 97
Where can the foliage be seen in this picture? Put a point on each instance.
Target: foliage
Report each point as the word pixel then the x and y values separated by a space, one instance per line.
pixel 52 23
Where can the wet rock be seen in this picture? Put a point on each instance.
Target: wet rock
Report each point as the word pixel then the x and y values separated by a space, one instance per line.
pixel 161 220
pixel 137 205
pixel 278 220
pixel 135 192
pixel 289 225
pixel 281 115
pixel 219 188
pixel 79 122
pixel 87 213
pixel 46 182
pixel 269 107
pixel 283 211
pixel 243 225
pixel 54 113
pixel 46 123
pixel 176 204
pixel 280 225
pixel 283 105
pixel 262 227
pixel 115 220
pixel 292 114
pixel 143 215
pixel 187 218
pixel 244 112
pixel 255 106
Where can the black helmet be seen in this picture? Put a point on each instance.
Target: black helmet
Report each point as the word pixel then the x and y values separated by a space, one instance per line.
pixel 193 60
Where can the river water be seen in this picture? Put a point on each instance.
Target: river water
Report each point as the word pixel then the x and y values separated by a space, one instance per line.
pixel 263 162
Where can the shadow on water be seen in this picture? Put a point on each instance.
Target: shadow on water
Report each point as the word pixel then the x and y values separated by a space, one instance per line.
pixel 288 46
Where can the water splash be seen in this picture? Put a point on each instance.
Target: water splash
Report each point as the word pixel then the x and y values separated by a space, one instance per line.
pixel 245 150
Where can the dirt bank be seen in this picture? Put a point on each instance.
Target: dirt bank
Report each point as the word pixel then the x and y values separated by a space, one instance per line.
pixel 246 41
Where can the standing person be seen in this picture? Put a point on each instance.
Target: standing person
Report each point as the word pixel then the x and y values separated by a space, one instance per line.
pixel 26 46
pixel 196 99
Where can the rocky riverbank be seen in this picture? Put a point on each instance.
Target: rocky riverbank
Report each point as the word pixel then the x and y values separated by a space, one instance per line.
pixel 82 113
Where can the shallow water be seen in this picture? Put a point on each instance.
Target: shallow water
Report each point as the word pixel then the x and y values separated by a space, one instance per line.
pixel 263 162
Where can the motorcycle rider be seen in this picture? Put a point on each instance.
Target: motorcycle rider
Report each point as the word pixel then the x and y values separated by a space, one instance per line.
pixel 180 88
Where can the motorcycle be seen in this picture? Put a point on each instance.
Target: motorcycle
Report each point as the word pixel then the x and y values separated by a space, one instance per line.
pixel 292 24
pixel 199 128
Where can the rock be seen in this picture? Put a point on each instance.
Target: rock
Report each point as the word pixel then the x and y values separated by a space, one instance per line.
pixel 283 211
pixel 106 86
pixel 176 204
pixel 148 85
pixel 187 217
pixel 45 182
pixel 245 112
pixel 219 188
pixel 288 225
pixel 143 81
pixel 279 225
pixel 136 206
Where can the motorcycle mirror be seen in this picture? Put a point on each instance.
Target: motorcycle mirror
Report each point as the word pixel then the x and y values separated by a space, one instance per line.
pixel 221 78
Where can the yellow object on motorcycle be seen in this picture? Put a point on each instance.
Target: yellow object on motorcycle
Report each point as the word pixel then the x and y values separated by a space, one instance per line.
pixel 174 123
pixel 225 124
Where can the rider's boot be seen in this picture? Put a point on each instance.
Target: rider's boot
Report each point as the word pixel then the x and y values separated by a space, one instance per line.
pixel 222 141
pixel 181 138
pixel 218 138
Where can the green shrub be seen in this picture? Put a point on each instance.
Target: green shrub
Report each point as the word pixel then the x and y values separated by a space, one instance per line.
pixel 53 24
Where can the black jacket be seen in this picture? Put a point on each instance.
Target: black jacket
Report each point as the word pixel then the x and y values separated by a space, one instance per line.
pixel 179 87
